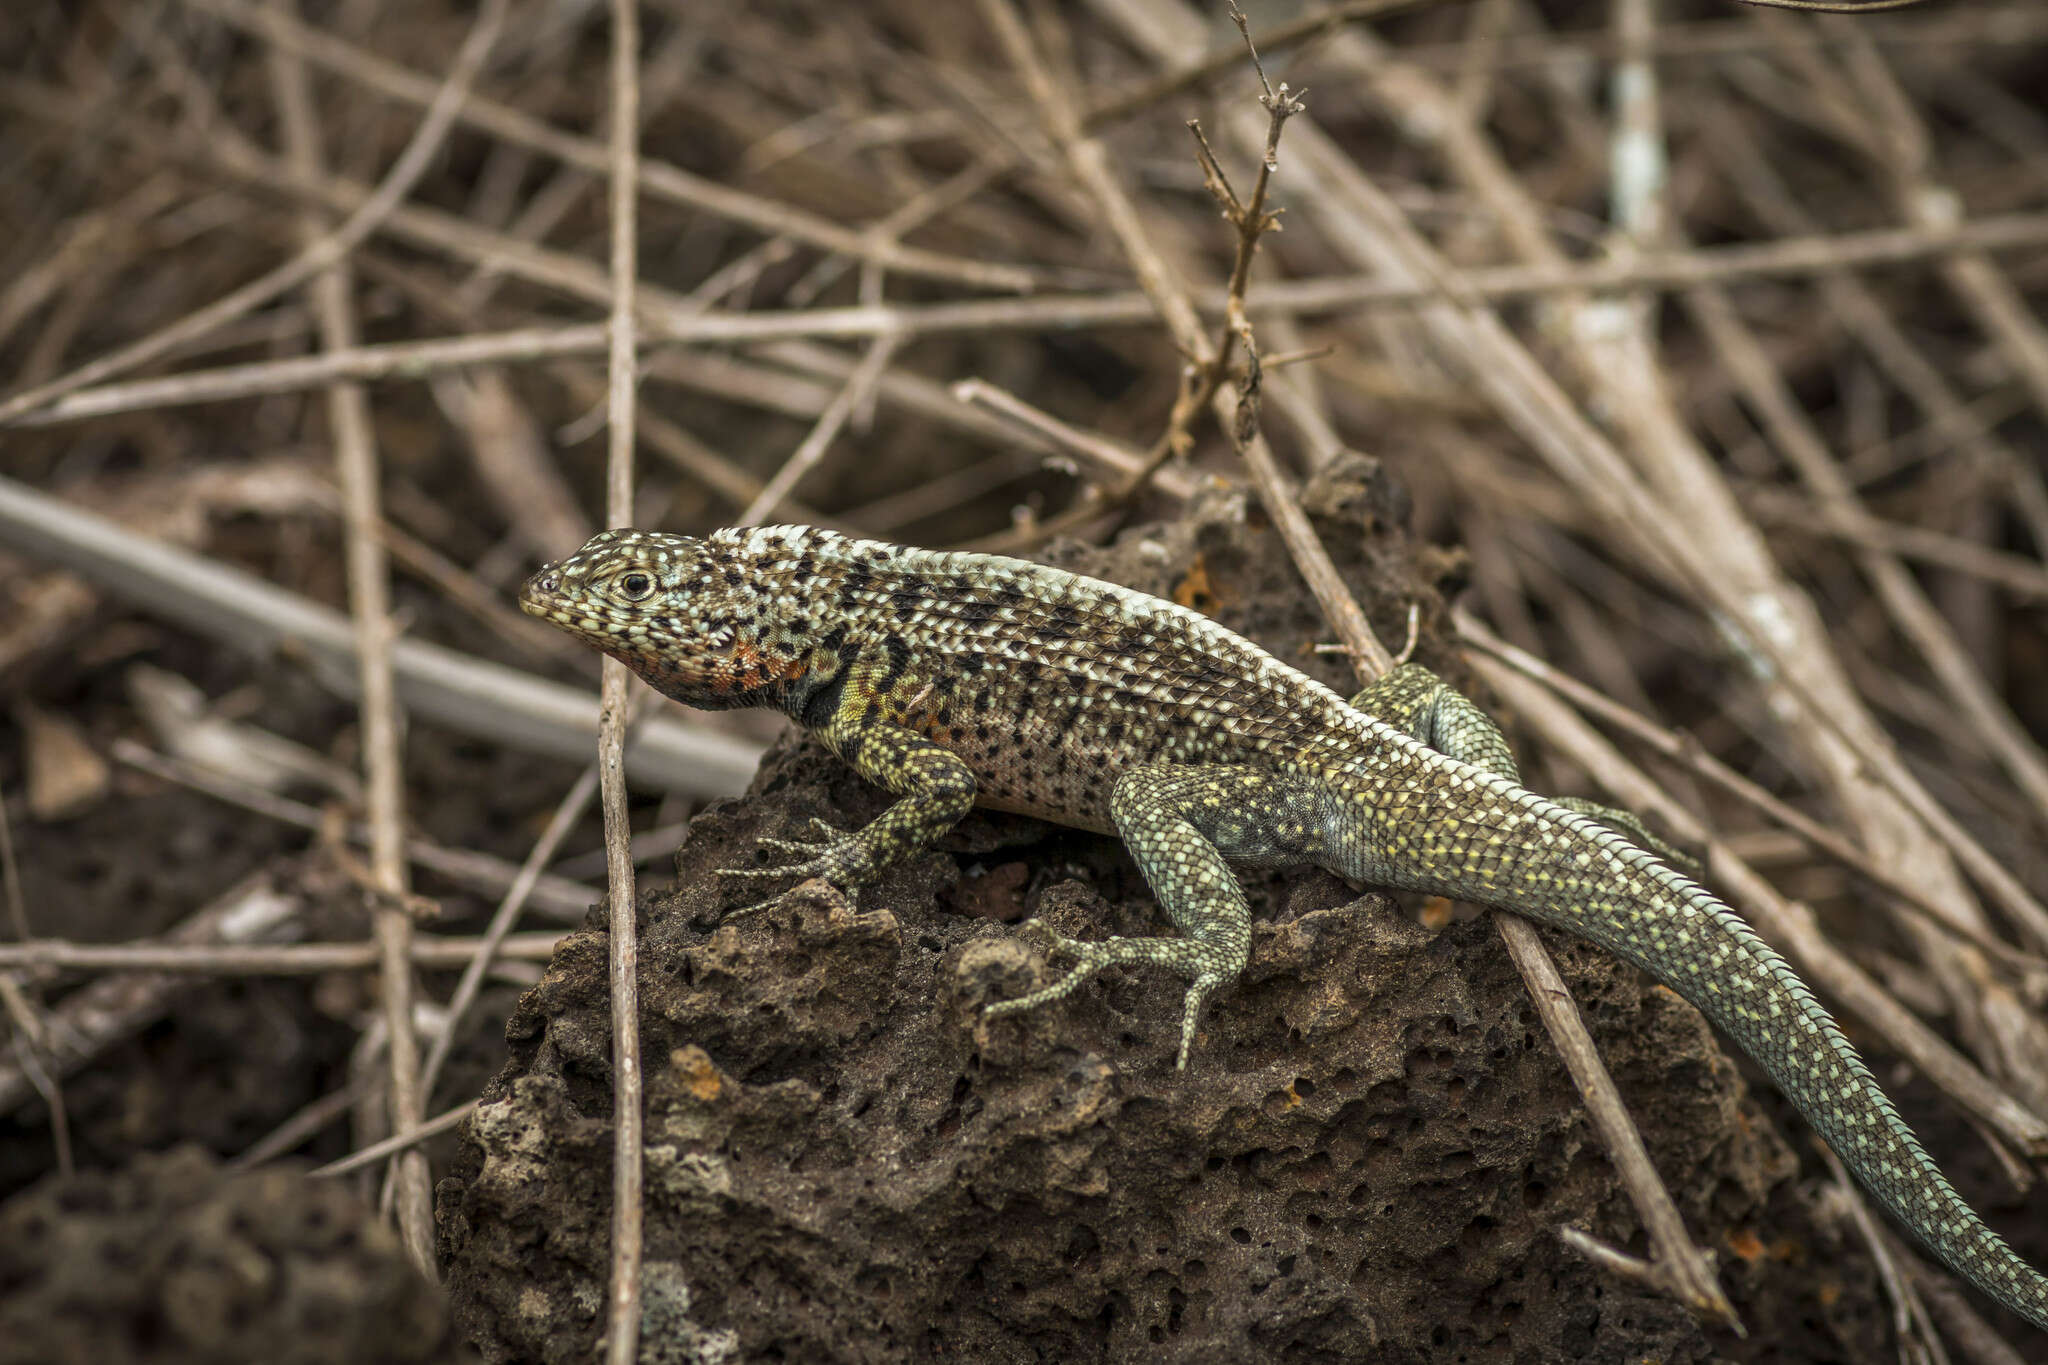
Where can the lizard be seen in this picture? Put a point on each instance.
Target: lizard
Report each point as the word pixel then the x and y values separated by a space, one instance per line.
pixel 954 679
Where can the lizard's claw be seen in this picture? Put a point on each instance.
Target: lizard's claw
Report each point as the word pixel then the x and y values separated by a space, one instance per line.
pixel 834 855
pixel 1089 958
pixel 1050 943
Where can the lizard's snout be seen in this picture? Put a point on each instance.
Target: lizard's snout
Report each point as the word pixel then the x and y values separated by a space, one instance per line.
pixel 538 590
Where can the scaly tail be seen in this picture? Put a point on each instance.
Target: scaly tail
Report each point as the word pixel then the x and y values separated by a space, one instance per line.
pixel 1563 869
pixel 1498 844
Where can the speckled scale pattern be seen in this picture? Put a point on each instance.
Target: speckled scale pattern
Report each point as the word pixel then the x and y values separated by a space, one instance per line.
pixel 960 679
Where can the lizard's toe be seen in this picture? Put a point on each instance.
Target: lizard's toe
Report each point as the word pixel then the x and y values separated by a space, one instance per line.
pixel 1090 958
pixel 755 908
pixel 1191 1014
pixel 806 849
pixel 834 855
pixel 1042 936
pixel 754 872
pixel 848 893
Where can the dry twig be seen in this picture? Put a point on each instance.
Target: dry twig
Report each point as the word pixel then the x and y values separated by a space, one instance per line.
pixel 622 1320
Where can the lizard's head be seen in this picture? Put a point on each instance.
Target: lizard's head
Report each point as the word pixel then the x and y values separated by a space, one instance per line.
pixel 680 612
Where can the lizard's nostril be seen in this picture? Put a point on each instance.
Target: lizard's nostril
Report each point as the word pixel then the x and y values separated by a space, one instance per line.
pixel 550 583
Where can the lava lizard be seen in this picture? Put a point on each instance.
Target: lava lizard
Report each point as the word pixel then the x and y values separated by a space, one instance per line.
pixel 956 680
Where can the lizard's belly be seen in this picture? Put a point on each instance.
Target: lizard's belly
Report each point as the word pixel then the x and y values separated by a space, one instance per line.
pixel 1029 765
pixel 1065 787
pixel 1065 769
pixel 1095 820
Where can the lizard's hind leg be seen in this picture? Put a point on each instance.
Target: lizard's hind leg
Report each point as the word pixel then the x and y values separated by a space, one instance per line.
pixel 1184 825
pixel 1418 703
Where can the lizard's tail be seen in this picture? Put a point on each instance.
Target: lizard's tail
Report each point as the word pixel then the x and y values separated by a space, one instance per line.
pixel 1566 870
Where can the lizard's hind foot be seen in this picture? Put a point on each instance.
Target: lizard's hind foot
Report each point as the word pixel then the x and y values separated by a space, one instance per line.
pixel 1189 957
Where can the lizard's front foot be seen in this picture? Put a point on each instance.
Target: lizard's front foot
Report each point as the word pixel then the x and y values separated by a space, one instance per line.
pixel 834 855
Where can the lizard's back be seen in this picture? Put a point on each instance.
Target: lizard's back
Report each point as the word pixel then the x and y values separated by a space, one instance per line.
pixel 1049 684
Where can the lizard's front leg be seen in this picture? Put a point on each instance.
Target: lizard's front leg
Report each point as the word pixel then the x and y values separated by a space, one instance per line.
pixel 936 788
pixel 1181 822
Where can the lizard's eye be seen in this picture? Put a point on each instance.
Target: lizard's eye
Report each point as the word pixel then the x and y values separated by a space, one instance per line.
pixel 636 586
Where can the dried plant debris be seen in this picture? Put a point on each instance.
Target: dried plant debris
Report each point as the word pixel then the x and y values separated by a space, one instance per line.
pixel 1695 348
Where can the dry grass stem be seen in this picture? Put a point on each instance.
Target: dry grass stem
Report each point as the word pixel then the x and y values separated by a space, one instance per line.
pixel 356 460
pixel 622 1317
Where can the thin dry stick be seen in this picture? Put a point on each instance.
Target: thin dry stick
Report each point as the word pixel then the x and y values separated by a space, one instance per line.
pixel 28 1039
pixel 1961 1325
pixel 1917 1338
pixel 394 360
pixel 854 393
pixel 1938 33
pixel 356 461
pixel 10 880
pixel 14 1002
pixel 887 515
pixel 1252 222
pixel 1108 456
pixel 398 1142
pixel 278 959
pixel 316 257
pixel 622 1332
pixel 1781 511
pixel 1117 108
pixel 298 1129
pixel 1832 6
pixel 29 1033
